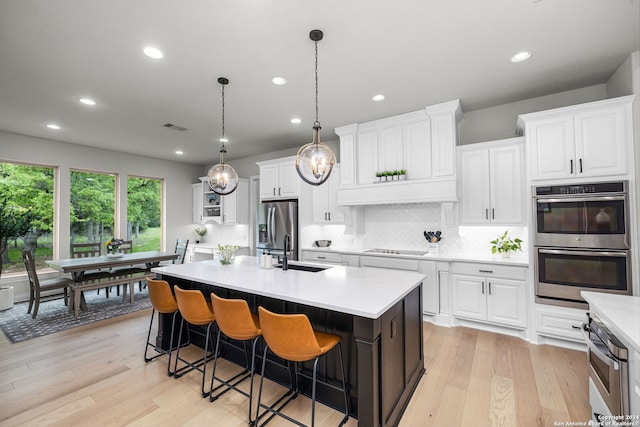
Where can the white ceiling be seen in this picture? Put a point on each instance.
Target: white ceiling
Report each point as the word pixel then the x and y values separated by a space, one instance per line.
pixel 415 52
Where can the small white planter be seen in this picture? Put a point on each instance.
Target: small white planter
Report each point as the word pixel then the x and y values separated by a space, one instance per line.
pixel 6 297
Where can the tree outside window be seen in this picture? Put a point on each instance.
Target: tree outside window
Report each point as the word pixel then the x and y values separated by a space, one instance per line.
pixel 26 215
pixel 92 207
pixel 144 213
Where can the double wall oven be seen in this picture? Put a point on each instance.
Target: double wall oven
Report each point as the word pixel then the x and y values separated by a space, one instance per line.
pixel 581 241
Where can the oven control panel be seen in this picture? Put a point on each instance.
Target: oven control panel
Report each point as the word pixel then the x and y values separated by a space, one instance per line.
pixel 594 188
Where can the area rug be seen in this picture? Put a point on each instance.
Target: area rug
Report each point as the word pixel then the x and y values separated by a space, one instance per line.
pixel 53 316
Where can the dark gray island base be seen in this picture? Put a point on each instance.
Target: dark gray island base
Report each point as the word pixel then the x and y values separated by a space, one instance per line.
pixel 384 358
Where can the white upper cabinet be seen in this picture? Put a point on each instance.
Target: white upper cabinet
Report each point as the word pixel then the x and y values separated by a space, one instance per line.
pixel 421 142
pixel 211 207
pixel 325 201
pixel 279 179
pixel 581 141
pixel 491 182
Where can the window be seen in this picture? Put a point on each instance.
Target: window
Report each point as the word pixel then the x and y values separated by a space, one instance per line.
pixel 26 214
pixel 144 213
pixel 92 207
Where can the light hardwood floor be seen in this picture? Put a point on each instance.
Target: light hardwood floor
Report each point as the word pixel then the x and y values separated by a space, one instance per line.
pixel 95 376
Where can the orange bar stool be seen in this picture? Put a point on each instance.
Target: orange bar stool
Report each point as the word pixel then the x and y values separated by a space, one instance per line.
pixel 195 310
pixel 163 302
pixel 291 337
pixel 235 321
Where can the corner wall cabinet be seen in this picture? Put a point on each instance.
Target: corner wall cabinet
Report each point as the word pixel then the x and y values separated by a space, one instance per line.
pixel 421 142
pixel 325 200
pixel 211 207
pixel 279 179
pixel 489 293
pixel 491 182
pixel 581 141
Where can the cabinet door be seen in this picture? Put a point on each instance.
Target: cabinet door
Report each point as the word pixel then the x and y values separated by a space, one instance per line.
pixel 390 151
pixel 430 294
pixel 469 298
pixel 288 181
pixel 506 184
pixel 507 302
pixel 320 202
pixel 197 202
pixel 367 155
pixel 268 186
pixel 474 189
pixel 417 150
pixel 229 207
pixel 336 212
pixel 552 148
pixel 600 143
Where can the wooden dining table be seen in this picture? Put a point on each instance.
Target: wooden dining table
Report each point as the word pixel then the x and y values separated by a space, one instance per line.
pixel 107 267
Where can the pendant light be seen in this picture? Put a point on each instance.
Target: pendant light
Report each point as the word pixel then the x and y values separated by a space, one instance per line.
pixel 223 179
pixel 315 160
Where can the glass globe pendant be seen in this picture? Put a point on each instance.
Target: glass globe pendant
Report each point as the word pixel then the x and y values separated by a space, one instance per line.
pixel 315 160
pixel 222 178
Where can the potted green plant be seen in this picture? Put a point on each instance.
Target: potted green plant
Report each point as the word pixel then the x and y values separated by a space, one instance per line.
pixel 379 176
pixel 504 245
pixel 388 175
pixel 227 253
pixel 201 232
pixel 403 174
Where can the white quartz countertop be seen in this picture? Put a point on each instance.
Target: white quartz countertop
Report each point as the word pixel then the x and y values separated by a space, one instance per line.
pixel 621 313
pixel 358 291
pixel 517 259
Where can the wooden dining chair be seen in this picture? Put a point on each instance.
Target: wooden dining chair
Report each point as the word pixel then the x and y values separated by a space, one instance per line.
pixel 37 287
pixel 83 250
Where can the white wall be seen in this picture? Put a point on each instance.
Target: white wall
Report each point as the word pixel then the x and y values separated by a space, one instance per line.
pixel 177 209
pixel 499 122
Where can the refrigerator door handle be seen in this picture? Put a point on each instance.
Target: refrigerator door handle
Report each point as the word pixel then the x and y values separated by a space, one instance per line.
pixel 272 225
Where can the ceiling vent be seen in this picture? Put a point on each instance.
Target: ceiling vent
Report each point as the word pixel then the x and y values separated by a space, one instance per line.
pixel 174 127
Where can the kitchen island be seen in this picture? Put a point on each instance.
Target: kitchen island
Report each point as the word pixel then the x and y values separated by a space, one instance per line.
pixel 378 313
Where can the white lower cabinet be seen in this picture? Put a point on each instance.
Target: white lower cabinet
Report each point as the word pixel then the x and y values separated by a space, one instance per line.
pixel 489 293
pixel 331 258
pixel 430 285
pixel 559 322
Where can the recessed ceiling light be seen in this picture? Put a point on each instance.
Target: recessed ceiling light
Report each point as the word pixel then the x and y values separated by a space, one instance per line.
pixel 296 121
pixel 279 81
pixel 179 152
pixel 87 101
pixel 378 97
pixel 521 56
pixel 153 52
pixel 53 126
pixel 223 140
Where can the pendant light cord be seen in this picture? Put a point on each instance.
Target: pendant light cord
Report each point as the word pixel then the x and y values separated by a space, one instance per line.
pixel 317 123
pixel 223 114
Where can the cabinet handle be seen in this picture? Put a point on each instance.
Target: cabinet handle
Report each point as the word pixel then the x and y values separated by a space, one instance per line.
pixel 322 257
pixel 571 163
pixel 329 215
pixel 274 191
pixel 493 213
pixel 580 165
pixel 486 213
pixel 485 271
pixel 483 287
pixel 279 191
pixel 489 288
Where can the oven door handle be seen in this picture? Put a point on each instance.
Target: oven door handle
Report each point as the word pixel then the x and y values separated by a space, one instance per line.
pixel 583 199
pixel 610 360
pixel 621 254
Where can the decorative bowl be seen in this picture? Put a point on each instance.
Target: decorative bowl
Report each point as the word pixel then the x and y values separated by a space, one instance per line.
pixel 323 243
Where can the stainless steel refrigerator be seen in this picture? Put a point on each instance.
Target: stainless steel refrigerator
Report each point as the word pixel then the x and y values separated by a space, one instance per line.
pixel 275 220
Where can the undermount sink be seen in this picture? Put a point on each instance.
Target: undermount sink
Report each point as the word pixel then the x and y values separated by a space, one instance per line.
pixel 396 252
pixel 299 267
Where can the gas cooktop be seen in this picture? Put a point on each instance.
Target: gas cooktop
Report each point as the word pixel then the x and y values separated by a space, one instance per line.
pixel 396 252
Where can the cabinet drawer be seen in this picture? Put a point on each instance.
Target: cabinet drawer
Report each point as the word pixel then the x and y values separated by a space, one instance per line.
pixel 490 270
pixel 565 325
pixel 321 257
pixel 392 263
pixel 634 380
